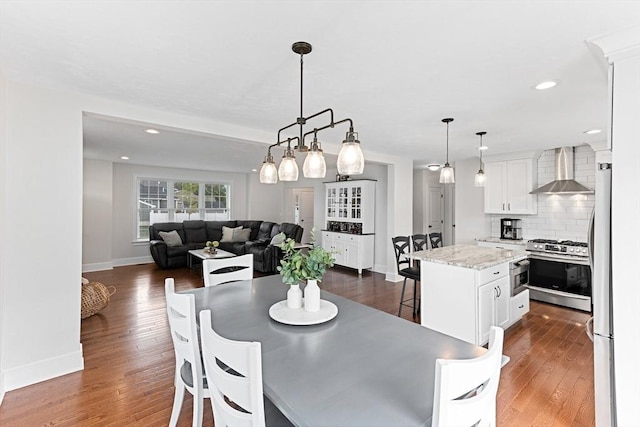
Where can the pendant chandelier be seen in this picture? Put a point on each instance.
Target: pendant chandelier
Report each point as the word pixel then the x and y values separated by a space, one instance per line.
pixel 480 177
pixel 350 158
pixel 446 173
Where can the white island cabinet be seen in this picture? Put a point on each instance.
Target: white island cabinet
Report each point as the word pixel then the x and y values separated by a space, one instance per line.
pixel 465 289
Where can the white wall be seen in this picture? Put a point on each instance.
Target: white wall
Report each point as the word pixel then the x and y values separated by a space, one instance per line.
pixel 264 202
pixel 3 223
pixel 42 159
pixel 419 195
pixel 97 208
pixel 42 150
pixel 561 217
pixel 470 219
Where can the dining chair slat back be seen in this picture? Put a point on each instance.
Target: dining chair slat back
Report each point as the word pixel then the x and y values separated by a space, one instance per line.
pixel 239 379
pixel 217 271
pixel 189 373
pixel 465 390
pixel 435 239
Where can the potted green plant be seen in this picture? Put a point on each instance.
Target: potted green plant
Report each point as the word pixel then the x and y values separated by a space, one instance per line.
pixel 304 264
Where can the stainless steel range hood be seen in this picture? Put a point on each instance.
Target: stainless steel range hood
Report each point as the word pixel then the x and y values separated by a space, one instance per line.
pixel 564 182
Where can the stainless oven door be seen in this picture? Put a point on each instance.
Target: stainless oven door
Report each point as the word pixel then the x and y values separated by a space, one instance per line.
pixel 560 279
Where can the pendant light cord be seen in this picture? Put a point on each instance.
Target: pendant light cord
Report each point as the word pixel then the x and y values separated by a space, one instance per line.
pixel 447 142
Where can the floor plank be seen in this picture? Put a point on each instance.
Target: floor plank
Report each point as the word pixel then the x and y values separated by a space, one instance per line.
pixel 129 359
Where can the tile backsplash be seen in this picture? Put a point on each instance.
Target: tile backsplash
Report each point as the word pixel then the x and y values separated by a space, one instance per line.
pixel 562 217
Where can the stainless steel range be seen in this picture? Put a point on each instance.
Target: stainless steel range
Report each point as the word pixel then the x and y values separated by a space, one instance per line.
pixel 559 273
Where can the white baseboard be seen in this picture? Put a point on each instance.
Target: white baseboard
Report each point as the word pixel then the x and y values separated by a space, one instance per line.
pixel 101 266
pixel 132 261
pixel 43 370
pixel 1 388
pixel 97 266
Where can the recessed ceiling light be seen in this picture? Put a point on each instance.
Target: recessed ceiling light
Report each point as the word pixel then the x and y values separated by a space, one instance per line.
pixel 254 170
pixel 484 147
pixel 433 167
pixel 546 85
pixel 124 157
pixel 592 131
pixel 152 131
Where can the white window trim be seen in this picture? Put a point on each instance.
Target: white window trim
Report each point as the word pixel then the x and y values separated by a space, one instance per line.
pixel 171 201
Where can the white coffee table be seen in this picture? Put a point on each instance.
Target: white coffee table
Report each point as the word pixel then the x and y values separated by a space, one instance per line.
pixel 200 253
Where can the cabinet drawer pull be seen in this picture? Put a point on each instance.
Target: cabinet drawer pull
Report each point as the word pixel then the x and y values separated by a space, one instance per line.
pixel 496 272
pixel 521 306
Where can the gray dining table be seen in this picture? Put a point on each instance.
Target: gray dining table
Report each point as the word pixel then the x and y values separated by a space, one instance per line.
pixel 363 368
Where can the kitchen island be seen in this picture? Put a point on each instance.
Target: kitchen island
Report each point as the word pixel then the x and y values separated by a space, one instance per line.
pixel 466 289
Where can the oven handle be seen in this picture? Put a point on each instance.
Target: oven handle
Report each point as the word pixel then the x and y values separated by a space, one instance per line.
pixel 567 260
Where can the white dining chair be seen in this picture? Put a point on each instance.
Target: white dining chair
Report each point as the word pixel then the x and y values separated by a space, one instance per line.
pixel 216 271
pixel 465 390
pixel 189 373
pixel 234 370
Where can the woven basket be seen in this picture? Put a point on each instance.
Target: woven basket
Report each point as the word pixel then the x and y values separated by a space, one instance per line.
pixel 95 297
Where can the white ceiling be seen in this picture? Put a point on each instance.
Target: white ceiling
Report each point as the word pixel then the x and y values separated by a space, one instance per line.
pixel 395 67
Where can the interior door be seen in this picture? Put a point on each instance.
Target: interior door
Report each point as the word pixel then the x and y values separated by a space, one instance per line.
pixel 303 211
pixel 435 209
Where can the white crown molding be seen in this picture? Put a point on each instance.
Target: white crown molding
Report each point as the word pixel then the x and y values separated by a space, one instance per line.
pixel 618 44
pixel 530 154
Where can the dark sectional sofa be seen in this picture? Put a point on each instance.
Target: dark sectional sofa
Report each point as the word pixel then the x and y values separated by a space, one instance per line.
pixel 195 234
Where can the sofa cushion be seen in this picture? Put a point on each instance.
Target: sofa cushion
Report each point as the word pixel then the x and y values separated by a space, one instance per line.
pixel 194 231
pixel 214 229
pixel 154 229
pixel 227 233
pixel 278 239
pixel 241 235
pixel 238 248
pixel 253 225
pixel 171 238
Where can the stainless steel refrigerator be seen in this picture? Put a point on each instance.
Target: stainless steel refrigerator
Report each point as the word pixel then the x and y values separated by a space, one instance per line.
pixel 600 326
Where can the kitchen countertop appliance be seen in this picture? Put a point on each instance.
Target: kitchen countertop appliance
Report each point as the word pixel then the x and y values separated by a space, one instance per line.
pixel 511 229
pixel 559 273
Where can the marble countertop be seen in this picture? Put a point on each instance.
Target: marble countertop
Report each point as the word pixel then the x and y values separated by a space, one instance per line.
pixel 468 256
pixel 522 242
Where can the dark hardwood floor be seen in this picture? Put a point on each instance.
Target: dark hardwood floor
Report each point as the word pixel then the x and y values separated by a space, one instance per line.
pixel 129 360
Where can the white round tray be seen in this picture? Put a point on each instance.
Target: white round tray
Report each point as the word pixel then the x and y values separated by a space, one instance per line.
pixel 298 316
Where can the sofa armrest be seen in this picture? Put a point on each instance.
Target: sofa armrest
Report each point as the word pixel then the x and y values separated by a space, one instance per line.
pixel 158 249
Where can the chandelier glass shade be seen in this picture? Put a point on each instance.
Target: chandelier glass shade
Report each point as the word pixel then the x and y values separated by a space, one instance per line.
pixel 288 170
pixel 480 176
pixel 350 158
pixel 268 171
pixel 446 173
pixel 314 165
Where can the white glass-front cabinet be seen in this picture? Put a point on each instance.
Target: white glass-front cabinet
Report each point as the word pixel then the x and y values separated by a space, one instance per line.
pixel 507 187
pixel 353 202
pixel 350 222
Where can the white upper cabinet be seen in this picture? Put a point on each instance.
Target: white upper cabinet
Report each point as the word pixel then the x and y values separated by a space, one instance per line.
pixel 507 186
pixel 352 202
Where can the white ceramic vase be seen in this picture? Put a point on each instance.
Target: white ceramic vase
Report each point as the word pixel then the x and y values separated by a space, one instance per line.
pixel 312 296
pixel 294 297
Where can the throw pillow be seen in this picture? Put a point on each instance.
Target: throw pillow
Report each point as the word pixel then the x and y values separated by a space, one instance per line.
pixel 227 233
pixel 171 238
pixel 278 239
pixel 241 235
